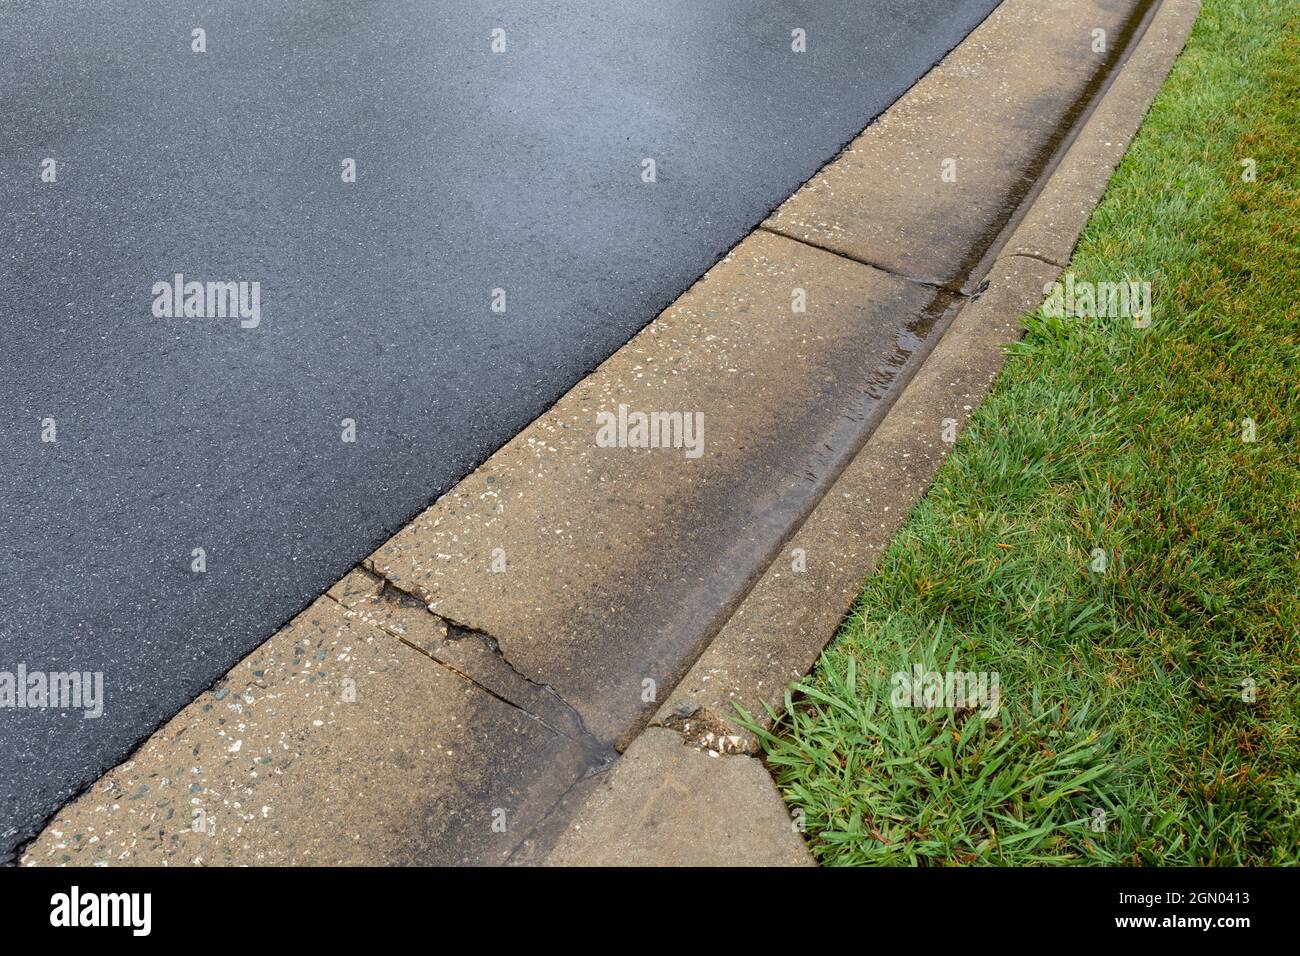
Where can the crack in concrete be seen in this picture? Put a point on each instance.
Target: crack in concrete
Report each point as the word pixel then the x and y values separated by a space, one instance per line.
pixel 476 656
pixel 444 664
pixel 1030 255
pixel 953 288
pixel 564 719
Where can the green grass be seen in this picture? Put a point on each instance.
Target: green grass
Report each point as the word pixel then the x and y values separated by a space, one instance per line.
pixel 1120 691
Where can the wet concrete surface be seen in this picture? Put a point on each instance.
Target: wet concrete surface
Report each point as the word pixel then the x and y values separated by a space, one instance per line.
pixel 793 611
pixel 613 564
pixel 968 146
pixel 475 171
pixel 332 744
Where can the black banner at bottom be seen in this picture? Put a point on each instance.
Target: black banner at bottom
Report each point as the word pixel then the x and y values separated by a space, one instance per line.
pixel 337 906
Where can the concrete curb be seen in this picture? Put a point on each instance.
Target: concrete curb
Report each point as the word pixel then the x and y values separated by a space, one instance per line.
pixel 537 609
pixel 931 188
pixel 787 619
pixel 781 628
pixel 1056 218
pixel 779 631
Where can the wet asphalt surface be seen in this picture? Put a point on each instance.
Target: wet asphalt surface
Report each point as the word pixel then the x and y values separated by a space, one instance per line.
pixel 476 171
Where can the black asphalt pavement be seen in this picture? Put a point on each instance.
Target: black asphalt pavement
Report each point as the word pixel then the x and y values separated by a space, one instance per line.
pixel 522 170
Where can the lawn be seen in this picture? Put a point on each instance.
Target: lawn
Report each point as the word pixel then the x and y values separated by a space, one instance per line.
pixel 1114 536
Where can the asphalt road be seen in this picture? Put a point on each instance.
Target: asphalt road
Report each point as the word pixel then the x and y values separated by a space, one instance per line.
pixel 476 171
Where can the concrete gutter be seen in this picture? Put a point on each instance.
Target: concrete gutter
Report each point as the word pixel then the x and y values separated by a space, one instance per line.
pixel 780 629
pixel 504 648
